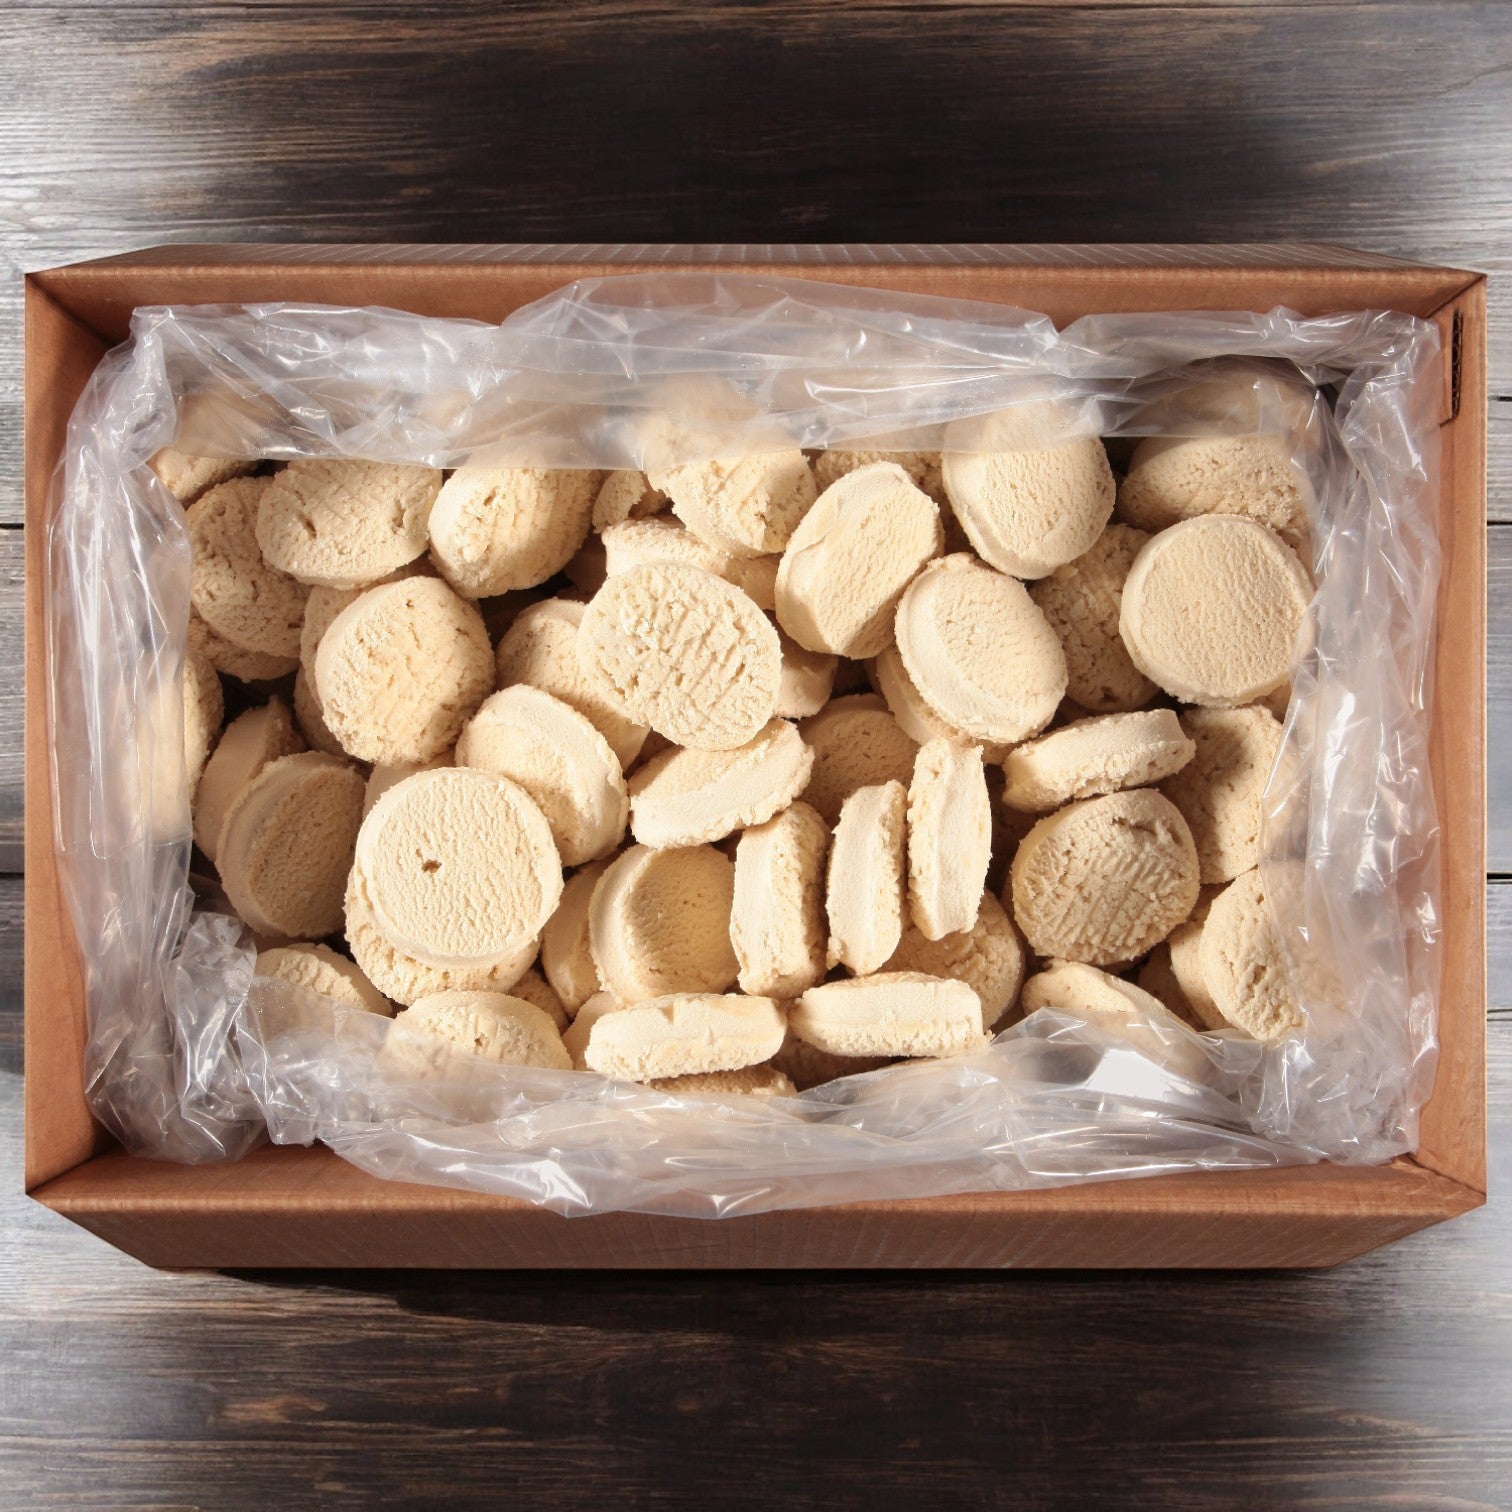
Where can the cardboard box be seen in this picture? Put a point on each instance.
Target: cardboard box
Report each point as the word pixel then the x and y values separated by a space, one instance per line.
pixel 287 1207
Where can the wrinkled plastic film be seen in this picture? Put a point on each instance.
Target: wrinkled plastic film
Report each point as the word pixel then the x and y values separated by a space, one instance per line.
pixel 190 1058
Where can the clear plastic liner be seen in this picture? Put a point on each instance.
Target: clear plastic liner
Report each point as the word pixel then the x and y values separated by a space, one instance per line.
pixel 191 1058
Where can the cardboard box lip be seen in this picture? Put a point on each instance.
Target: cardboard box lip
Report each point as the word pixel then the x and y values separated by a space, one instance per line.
pixel 70 1191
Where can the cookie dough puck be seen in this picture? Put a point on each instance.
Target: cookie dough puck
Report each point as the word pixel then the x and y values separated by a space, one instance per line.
pixel 246 746
pixel 684 652
pixel 988 957
pixel 1104 879
pixel 490 1025
pixel 1172 478
pixel 864 892
pixel 536 990
pixel 1092 756
pixel 808 678
pixel 978 651
pixel 236 661
pixel 1242 964
pixel 321 970
pixel 922 468
pixel 777 921
pixel 497 528
pixel 749 505
pixel 1028 500
pixel 382 778
pixel 460 866
pixel 1212 610
pixel 540 648
pixel 856 743
pixel 1080 601
pixel 686 797
pixel 557 756
pixel 640 543
pixel 186 476
pixel 626 496
pixel 949 838
pixel 566 949
pixel 807 1066
pixel 575 1035
pixel 204 708
pixel 1117 1006
pixel 686 1034
pixel 238 594
pixel 749 1081
pixel 286 845
pixel 401 670
pixel 895 1013
pixel 659 923
pixel 342 523
pixel 849 561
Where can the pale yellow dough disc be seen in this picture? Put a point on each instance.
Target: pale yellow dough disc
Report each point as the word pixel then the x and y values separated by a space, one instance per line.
pixel 988 957
pixel 320 969
pixel 749 1081
pixel 239 595
pixel 1220 791
pixel 685 1034
pixel 1242 963
pixel 460 867
pixel 978 651
pixel 540 648
pixel 382 778
pixel 777 920
pixel 1172 479
pixel 895 1013
pixel 848 562
pixel 342 523
pixel 232 660
pixel 949 838
pixel 575 1036
pixel 856 743
pixel 401 670
pixel 807 1066
pixel 626 496
pixel 311 719
pixel 641 543
pixel 535 989
pixel 864 891
pixel 808 678
pixel 659 923
pixel 246 746
pixel 286 845
pixel 186 477
pixel 497 528
pixel 557 756
pixel 922 468
pixel 1097 755
pixel 1028 499
pixel 401 976
pixel 493 1026
pixel 1213 609
pixel 687 797
pixel 1080 602
pixel 566 946
pixel 749 505
pixel 1105 879
pixel 684 652
pixel 204 708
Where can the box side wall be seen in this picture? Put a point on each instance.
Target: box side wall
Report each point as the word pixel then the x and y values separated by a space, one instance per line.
pixel 59 1132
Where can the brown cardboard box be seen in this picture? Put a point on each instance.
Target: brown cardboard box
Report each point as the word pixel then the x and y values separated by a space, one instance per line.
pixel 285 1207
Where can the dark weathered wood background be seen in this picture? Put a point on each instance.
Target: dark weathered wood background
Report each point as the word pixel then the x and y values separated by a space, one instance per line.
pixel 1388 126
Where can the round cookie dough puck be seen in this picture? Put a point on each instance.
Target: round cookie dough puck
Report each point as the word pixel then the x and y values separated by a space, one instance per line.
pixel 497 528
pixel 540 648
pixel 247 745
pixel 204 708
pixel 493 1026
pixel 536 990
pixel 749 505
pixel 682 651
pixel 234 590
pixel 1080 602
pixel 401 670
pixel 864 891
pixel 557 756
pixel 749 1081
pixel 687 1034
pixel 1212 610
pixel 856 743
pixel 659 923
pixel 988 957
pixel 382 778
pixel 320 969
pixel 808 677
pixel 1243 966
pixel 1117 1006
pixel 232 660
pixel 684 797
pixel 286 845
pixel 1173 478
pixel 1104 879
pixel 777 916
pixel 186 477
pixel 575 1035
pixel 566 946
pixel 460 866
pixel 341 523
pixel 850 559
pixel 921 467
pixel 978 652
pixel 624 496
pixel 949 838
pixel 807 1066
pixel 1027 499
pixel 1091 756
pixel 641 543
pixel 894 1013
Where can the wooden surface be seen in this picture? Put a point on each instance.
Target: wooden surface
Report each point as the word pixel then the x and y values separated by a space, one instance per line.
pixel 1386 126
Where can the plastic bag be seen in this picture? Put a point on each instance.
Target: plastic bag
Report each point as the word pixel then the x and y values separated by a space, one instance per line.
pixel 190 1058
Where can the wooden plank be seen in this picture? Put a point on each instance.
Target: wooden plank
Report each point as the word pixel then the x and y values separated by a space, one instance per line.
pixel 12 586
pixel 1499 699
pixel 1499 946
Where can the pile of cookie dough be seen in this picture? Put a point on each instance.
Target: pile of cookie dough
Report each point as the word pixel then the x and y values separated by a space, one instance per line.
pixel 749 774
